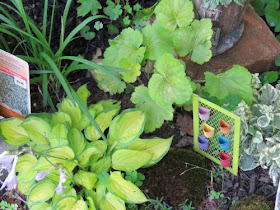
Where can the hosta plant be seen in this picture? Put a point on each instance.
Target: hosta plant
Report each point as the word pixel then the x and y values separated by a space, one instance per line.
pixel 260 136
pixel 67 163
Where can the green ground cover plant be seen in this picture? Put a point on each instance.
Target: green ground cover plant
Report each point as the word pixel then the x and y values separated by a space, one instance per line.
pixel 212 4
pixel 66 162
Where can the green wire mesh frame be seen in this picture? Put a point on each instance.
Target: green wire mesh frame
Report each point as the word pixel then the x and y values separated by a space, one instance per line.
pixel 213 152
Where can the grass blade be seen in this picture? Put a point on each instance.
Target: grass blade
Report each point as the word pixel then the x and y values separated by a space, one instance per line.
pixel 45 18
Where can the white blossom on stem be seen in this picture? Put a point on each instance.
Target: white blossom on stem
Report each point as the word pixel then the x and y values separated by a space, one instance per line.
pixel 62 179
pixel 41 175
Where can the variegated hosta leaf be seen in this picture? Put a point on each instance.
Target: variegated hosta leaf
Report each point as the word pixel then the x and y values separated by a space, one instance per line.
pixel 263 121
pixel 247 145
pixel 274 174
pixel 277 121
pixel 73 110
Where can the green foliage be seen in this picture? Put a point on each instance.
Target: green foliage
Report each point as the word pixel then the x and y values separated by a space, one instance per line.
pixel 185 206
pixel 40 47
pixel 269 77
pixel 235 81
pixel 88 6
pixel 260 132
pixel 7 206
pixel 169 83
pixel 135 177
pixel 212 4
pixel 62 149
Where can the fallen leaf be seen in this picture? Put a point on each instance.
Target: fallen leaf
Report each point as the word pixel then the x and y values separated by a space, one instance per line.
pixel 185 123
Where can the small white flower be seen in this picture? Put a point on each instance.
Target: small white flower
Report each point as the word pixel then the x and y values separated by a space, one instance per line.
pixel 41 175
pixel 62 179
pixel 6 162
pixel 11 180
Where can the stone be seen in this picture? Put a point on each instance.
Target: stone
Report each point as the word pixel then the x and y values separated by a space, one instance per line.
pixel 256 50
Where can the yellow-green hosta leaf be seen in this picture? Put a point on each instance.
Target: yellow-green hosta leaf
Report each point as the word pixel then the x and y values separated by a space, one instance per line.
pixel 130 77
pixel 12 133
pixel 83 93
pixel 24 188
pixel 25 168
pixel 198 43
pixel 68 191
pixel 90 203
pixel 125 190
pixel 107 84
pixel 86 179
pixel 155 114
pixel 61 117
pixel 112 202
pixel 99 194
pixel 42 191
pixel 157 147
pixel 174 13
pixel 72 110
pixel 41 148
pixel 84 121
pixel 83 158
pixel 70 203
pixel 41 206
pixel 235 81
pixel 125 159
pixel 126 45
pixel 169 83
pixel 103 119
pixel 127 126
pixel 101 165
pixel 106 104
pixel 37 129
pixel 43 115
pixel 102 146
pixel 76 140
pixel 58 135
pixel 63 155
pixel 158 41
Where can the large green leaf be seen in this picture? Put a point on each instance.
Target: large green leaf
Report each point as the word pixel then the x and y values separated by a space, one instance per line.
pixel 61 117
pixel 107 84
pixel 102 146
pixel 42 191
pixel 235 81
pixel 25 168
pixel 40 206
pixel 83 93
pixel 86 179
pixel 126 45
pixel 123 189
pixel 37 129
pixel 169 83
pixel 130 77
pixel 112 202
pixel 76 140
pixel 84 121
pixel 195 39
pixel 83 158
pixel 58 135
pixel 63 155
pixel 158 41
pixel 103 119
pixel 12 133
pixel 88 6
pixel 24 188
pixel 157 147
pixel 72 110
pixel 69 190
pixel 43 115
pixel 127 126
pixel 70 203
pixel 272 13
pixel 125 159
pixel 174 13
pixel 101 165
pixel 155 113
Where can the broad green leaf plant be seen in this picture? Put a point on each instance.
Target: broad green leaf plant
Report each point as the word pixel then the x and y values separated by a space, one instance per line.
pixel 67 162
pixel 157 48
pixel 37 47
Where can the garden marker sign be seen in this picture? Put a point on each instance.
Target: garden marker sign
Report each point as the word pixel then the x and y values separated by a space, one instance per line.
pixel 216 133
